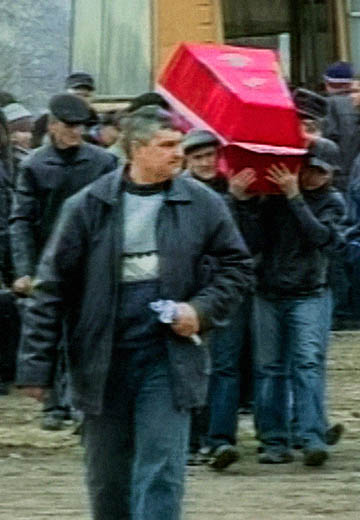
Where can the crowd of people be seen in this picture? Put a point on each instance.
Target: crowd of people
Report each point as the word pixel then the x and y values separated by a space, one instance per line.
pixel 102 216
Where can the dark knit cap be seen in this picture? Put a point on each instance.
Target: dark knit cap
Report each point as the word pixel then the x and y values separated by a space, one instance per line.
pixel 80 79
pixel 69 109
pixel 309 104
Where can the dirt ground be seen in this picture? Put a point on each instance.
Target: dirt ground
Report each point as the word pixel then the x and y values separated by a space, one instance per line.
pixel 41 472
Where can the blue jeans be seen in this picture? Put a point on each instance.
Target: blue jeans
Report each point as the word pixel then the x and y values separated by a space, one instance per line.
pixel 136 450
pixel 227 346
pixel 291 338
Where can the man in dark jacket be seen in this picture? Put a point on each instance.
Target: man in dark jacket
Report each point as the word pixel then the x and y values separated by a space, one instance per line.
pixel 295 235
pixel 48 177
pixel 131 238
pixel 213 430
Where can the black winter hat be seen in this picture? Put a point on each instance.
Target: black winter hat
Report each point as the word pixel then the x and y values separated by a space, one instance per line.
pixel 80 79
pixel 309 104
pixel 69 109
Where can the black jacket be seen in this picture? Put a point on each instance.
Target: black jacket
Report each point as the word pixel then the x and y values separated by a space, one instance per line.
pixel 46 179
pixel 293 240
pixel 79 272
pixel 4 216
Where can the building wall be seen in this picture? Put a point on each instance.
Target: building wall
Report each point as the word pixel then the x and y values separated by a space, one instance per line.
pixel 34 49
pixel 185 20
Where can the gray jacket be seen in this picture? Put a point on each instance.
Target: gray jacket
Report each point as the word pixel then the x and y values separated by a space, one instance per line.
pixel 342 125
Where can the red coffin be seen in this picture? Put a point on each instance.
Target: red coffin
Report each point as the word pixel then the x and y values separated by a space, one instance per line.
pixel 239 94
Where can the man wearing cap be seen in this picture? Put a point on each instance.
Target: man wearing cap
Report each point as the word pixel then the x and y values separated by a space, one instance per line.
pixel 80 84
pixel 338 78
pixel 342 121
pixel 135 236
pixel 201 154
pixel 295 235
pixel 213 434
pixel 20 122
pixel 50 175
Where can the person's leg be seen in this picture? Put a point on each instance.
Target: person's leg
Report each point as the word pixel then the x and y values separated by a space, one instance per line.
pixel 341 288
pixel 108 457
pixel 109 444
pixel 57 407
pixel 246 401
pixel 55 411
pixel 161 446
pixel 309 331
pixel 272 369
pixel 198 434
pixel 224 382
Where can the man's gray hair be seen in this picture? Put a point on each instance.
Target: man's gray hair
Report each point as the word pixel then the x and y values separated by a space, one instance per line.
pixel 141 125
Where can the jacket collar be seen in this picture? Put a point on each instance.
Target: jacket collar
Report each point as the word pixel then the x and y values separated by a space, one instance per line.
pixel 109 188
pixel 52 157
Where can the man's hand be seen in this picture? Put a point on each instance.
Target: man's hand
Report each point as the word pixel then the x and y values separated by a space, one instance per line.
pixel 187 321
pixel 23 285
pixel 35 392
pixel 287 181
pixel 240 182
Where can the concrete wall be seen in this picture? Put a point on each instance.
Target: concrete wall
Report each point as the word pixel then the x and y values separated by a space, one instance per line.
pixel 34 49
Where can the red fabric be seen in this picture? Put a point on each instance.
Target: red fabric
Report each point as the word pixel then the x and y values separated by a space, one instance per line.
pixel 238 91
pixel 239 94
pixel 234 158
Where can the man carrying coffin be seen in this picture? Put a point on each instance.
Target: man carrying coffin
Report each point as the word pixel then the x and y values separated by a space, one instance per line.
pixel 295 235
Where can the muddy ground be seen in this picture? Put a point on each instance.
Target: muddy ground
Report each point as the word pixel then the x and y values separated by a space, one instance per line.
pixel 41 473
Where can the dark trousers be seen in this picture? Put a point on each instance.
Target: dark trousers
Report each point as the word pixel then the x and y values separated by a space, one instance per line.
pixel 224 393
pixel 59 400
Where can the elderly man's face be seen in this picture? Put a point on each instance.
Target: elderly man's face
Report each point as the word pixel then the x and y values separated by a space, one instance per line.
pixel 161 157
pixel 202 162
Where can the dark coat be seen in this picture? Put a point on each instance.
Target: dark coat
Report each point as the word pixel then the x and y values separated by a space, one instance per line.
pixel 294 240
pixel 46 179
pixel 4 216
pixel 342 125
pixel 80 269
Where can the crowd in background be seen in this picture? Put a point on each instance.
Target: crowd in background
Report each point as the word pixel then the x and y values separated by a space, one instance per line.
pixel 269 356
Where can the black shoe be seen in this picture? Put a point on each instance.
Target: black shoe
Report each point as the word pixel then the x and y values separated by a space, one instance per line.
pixel 223 456
pixel 275 457
pixel 315 457
pixel 334 434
